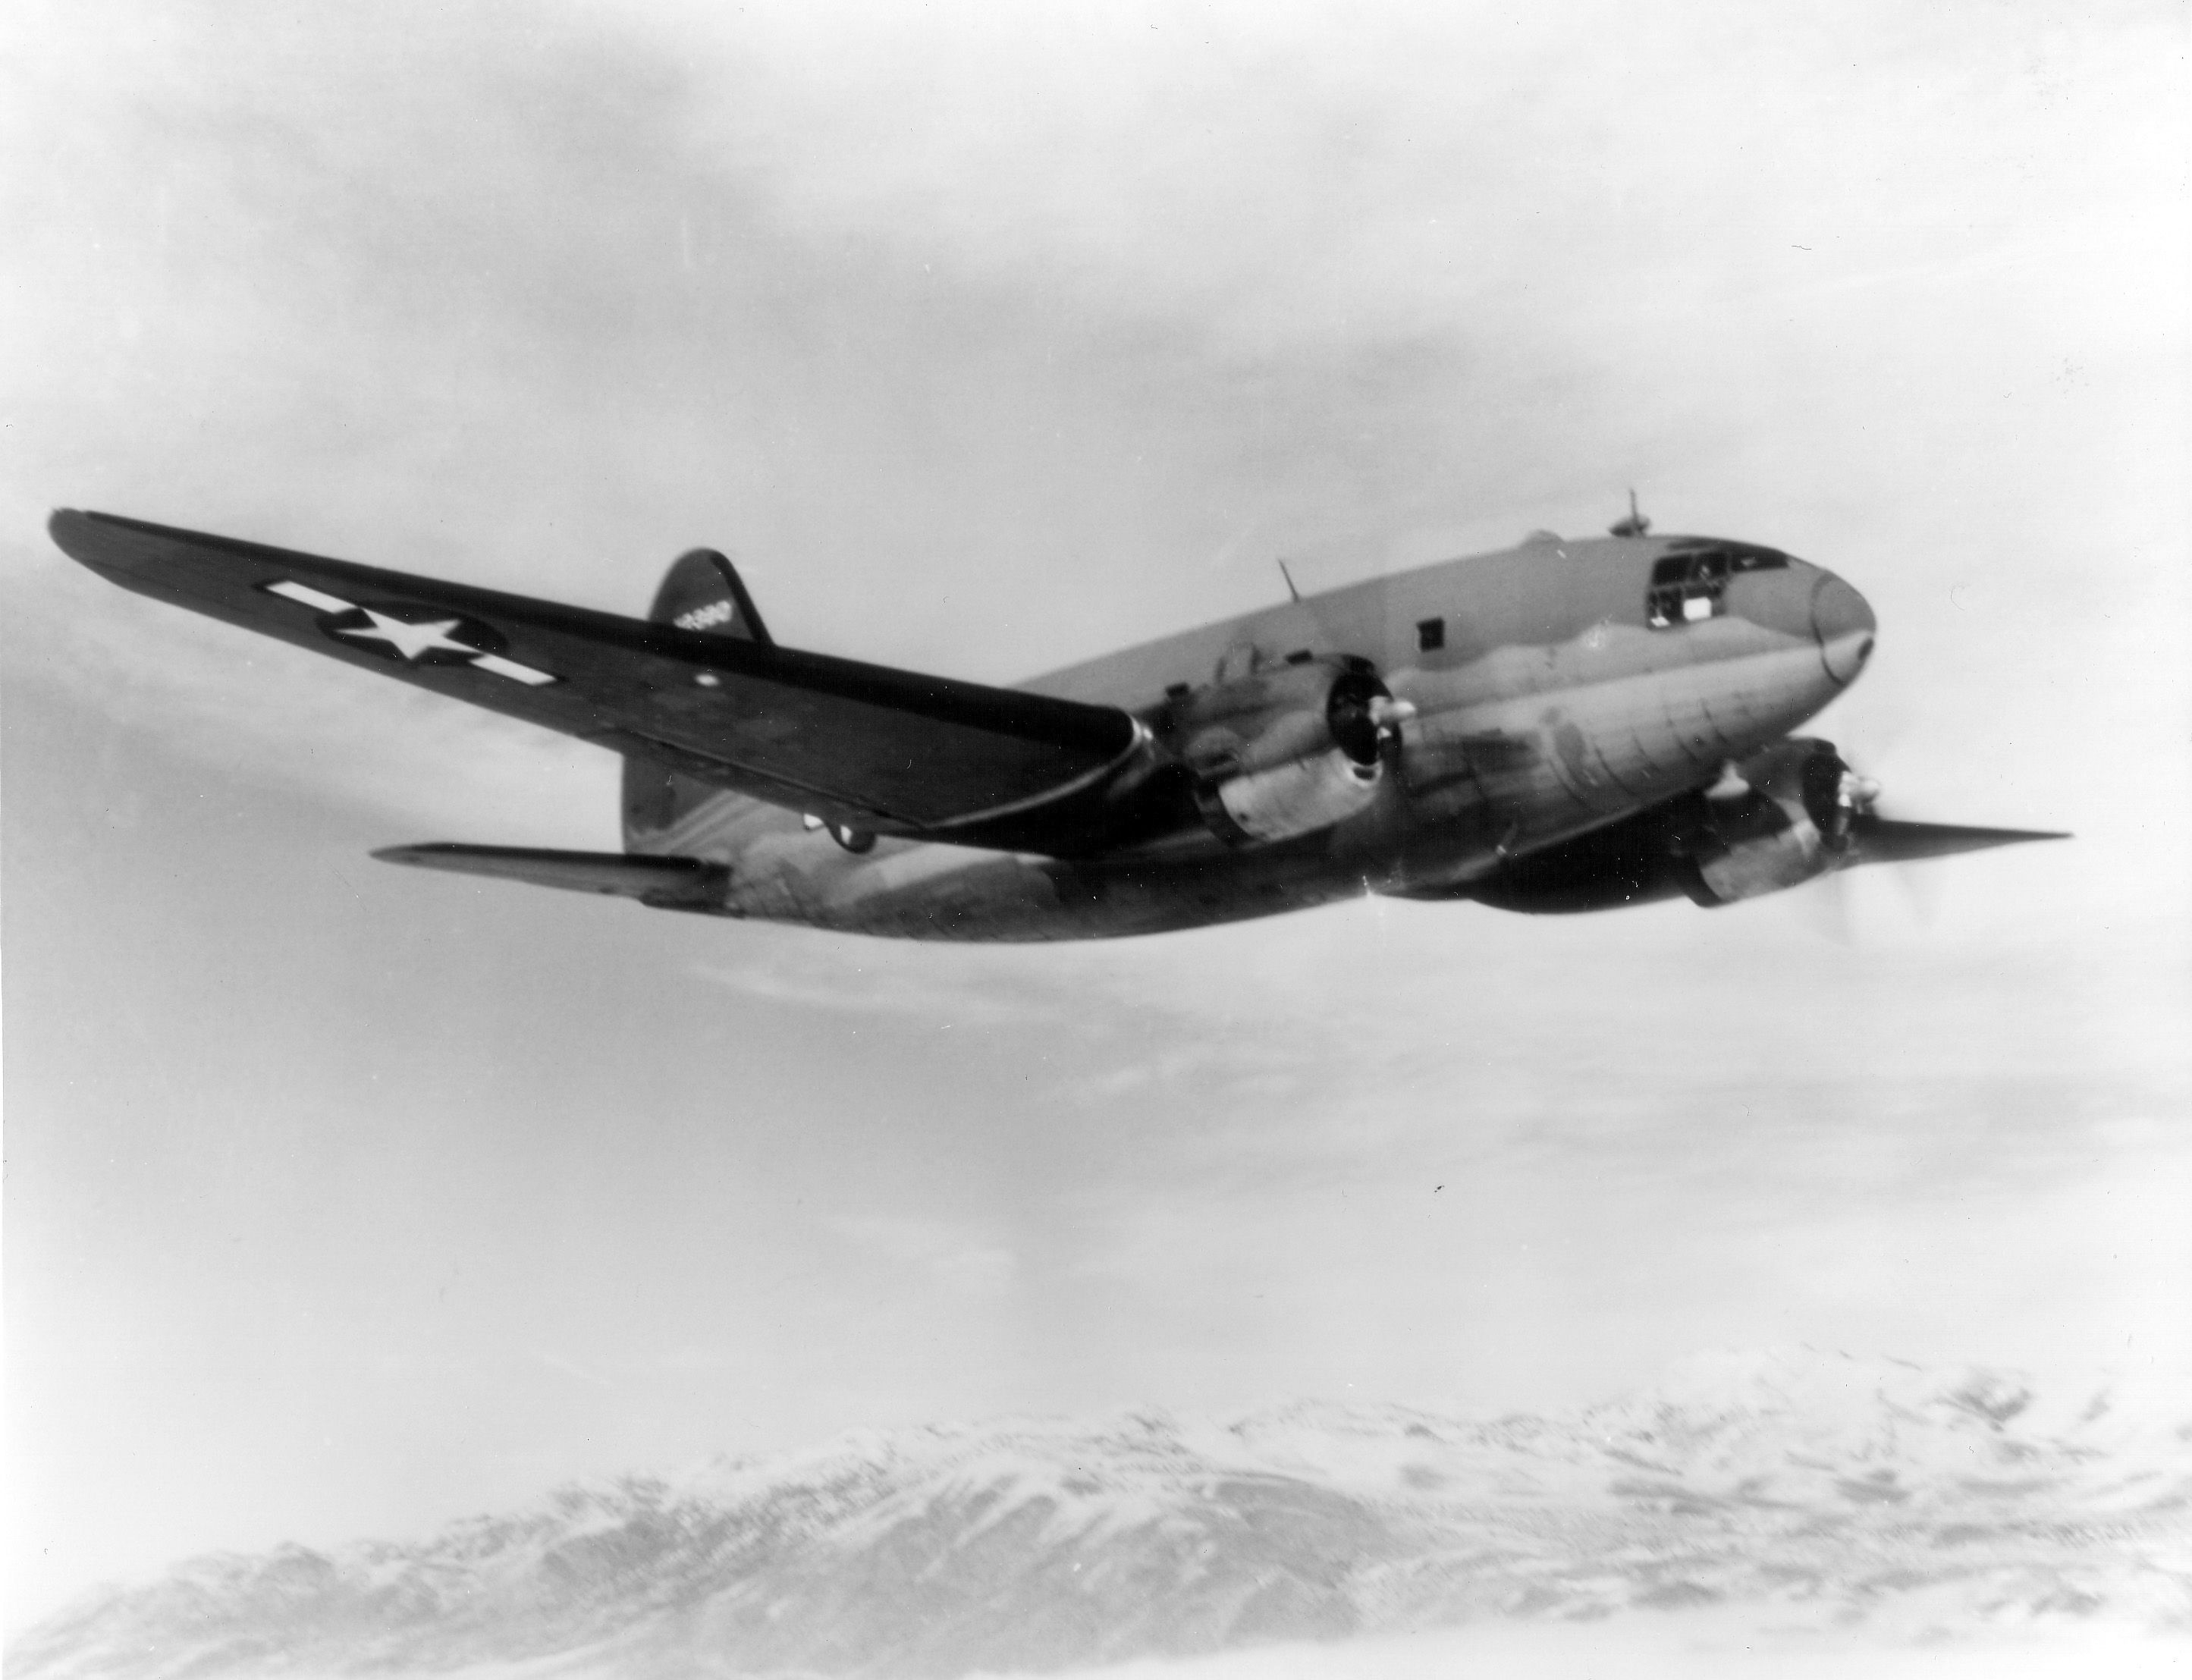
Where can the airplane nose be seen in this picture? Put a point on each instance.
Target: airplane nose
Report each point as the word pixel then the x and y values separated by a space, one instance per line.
pixel 1842 621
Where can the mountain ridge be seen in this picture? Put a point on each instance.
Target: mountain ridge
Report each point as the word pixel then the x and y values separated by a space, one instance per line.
pixel 1808 1491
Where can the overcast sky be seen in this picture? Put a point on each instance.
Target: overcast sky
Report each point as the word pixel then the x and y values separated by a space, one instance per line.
pixel 342 1199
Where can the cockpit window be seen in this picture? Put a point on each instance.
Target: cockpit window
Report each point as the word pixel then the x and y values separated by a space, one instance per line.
pixel 1689 582
pixel 1686 588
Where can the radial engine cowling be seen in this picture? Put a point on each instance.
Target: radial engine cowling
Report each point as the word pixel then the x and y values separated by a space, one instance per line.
pixel 1287 750
pixel 1778 818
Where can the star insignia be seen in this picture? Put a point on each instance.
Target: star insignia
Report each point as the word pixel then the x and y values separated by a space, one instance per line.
pixel 410 635
pixel 410 640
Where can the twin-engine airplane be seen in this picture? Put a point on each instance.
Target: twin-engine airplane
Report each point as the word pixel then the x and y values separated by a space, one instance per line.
pixel 1565 726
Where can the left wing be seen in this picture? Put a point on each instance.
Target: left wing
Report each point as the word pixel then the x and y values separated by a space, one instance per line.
pixel 890 752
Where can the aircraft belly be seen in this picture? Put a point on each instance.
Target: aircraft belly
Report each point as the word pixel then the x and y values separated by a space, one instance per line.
pixel 781 871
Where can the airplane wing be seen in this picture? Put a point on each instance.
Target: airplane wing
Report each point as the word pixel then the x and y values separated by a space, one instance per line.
pixel 1886 840
pixel 891 751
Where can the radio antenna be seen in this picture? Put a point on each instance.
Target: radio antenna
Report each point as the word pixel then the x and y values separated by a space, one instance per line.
pixel 1289 577
pixel 1635 525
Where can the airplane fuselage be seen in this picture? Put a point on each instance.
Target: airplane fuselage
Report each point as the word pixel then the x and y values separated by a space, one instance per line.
pixel 1545 692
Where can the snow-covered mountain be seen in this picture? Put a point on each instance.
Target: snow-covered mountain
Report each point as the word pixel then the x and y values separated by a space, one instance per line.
pixel 1799 1490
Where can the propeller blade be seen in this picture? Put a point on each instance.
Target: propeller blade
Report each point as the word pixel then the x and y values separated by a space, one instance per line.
pixel 1824 906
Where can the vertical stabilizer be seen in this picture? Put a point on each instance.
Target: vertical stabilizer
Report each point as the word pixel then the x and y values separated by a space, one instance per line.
pixel 703 592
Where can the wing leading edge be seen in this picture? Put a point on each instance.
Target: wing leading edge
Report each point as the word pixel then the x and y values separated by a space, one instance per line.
pixel 894 751
pixel 1886 840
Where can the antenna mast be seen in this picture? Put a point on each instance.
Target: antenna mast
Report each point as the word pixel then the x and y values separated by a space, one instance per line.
pixel 1635 525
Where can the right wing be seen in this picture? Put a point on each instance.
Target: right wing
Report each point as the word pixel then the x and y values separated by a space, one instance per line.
pixel 1886 840
pixel 889 751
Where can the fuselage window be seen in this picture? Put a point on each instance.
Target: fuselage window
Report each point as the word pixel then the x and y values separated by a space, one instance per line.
pixel 1687 588
pixel 1179 690
pixel 1430 635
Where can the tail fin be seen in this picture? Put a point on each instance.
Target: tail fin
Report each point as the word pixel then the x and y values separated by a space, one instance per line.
pixel 702 592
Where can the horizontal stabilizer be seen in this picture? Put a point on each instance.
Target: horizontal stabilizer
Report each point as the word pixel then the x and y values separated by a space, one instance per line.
pixel 1884 840
pixel 682 883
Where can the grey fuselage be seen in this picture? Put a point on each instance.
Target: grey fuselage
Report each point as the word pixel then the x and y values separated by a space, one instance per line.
pixel 1556 686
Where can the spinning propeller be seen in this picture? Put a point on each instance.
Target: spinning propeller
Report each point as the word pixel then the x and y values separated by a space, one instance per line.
pixel 1857 831
pixel 1843 806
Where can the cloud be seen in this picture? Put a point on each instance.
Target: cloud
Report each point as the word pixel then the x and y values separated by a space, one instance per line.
pixel 571 1368
pixel 993 340
pixel 948 1256
pixel 852 976
pixel 1044 309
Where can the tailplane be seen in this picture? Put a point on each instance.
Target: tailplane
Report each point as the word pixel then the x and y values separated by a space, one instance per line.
pixel 702 592
pixel 666 883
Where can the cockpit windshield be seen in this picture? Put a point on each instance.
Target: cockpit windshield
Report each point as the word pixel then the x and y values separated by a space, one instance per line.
pixel 1689 582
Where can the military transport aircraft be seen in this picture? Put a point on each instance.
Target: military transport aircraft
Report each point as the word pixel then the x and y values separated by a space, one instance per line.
pixel 1563 726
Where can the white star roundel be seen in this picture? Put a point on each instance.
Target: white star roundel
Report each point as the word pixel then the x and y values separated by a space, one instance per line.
pixel 411 635
pixel 411 640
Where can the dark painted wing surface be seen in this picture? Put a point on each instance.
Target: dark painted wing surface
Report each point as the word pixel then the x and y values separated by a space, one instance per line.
pixel 654 880
pixel 889 751
pixel 1884 840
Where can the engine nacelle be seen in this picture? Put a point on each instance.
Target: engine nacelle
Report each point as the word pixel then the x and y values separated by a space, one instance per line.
pixel 1780 818
pixel 1287 750
pixel 1288 799
pixel 1768 862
